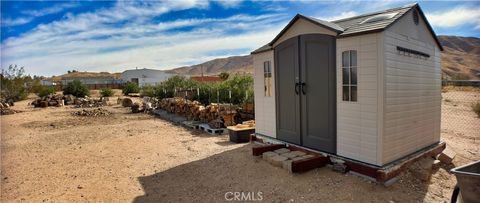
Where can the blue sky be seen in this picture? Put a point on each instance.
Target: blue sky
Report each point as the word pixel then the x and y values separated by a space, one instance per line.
pixel 51 37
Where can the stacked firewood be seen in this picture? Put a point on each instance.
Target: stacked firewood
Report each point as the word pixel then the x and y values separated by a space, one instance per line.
pixel 194 110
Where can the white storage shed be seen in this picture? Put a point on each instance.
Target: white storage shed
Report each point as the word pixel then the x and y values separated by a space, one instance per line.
pixel 366 88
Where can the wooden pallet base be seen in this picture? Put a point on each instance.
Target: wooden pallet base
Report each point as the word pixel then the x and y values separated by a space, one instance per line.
pixel 380 174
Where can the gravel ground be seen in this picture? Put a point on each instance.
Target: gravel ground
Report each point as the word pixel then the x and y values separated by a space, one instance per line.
pixel 50 155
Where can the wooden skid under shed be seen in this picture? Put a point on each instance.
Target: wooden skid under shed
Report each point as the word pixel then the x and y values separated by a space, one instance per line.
pixel 380 174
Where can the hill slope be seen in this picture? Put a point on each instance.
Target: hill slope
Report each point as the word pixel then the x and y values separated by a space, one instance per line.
pixel 232 64
pixel 460 60
pixel 461 57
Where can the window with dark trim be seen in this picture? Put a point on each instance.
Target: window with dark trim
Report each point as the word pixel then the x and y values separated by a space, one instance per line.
pixel 267 78
pixel 349 75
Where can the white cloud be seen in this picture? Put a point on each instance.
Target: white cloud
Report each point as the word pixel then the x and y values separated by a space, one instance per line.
pixel 229 3
pixel 50 10
pixel 29 15
pixel 124 37
pixel 455 17
pixel 16 21
pixel 342 15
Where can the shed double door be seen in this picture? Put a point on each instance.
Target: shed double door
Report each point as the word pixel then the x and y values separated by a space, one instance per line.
pixel 306 91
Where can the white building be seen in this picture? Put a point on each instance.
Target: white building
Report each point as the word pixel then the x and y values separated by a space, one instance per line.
pixel 145 76
pixel 366 88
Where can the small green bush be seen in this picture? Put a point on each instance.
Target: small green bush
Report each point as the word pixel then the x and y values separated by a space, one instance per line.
pixel 106 92
pixel 12 83
pixel 476 108
pixel 76 88
pixel 130 88
pixel 148 91
pixel 45 91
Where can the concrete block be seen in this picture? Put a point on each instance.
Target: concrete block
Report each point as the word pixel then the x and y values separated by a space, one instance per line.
pixel 289 155
pixel 308 156
pixel 278 160
pixel 266 155
pixel 287 165
pixel 390 182
pixel 282 151
pixel 447 155
pixel 298 153
pixel 298 158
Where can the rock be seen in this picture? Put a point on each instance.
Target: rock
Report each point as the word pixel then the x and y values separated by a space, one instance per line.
pixel 447 155
pixel 308 156
pixel 342 168
pixel 92 112
pixel 282 151
pixel 127 102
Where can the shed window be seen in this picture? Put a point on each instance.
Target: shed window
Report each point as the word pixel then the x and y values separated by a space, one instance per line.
pixel 267 78
pixel 349 75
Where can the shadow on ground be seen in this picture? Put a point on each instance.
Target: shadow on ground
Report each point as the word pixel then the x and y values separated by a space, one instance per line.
pixel 209 179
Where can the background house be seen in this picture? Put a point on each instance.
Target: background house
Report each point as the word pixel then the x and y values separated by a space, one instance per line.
pixel 145 76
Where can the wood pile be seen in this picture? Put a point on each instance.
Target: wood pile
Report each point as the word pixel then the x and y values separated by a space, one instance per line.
pixel 50 100
pixel 87 102
pixel 92 112
pixel 214 114
pixel 5 108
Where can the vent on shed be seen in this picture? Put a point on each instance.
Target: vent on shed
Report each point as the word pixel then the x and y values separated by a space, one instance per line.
pixel 379 17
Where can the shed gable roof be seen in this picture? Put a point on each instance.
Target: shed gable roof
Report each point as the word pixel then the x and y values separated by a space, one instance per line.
pixel 356 26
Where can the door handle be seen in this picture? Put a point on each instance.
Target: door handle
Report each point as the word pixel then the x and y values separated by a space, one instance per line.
pixel 303 88
pixel 297 85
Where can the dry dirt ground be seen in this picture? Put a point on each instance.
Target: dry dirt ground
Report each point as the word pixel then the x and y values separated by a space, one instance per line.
pixel 49 155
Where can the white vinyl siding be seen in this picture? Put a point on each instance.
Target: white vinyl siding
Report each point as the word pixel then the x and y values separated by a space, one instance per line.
pixel 302 26
pixel 412 90
pixel 265 118
pixel 357 122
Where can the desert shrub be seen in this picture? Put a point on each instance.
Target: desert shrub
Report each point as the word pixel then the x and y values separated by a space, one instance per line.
pixel 148 91
pixel 45 91
pixel 241 87
pixel 76 88
pixel 476 108
pixel 13 83
pixel 106 92
pixel 130 88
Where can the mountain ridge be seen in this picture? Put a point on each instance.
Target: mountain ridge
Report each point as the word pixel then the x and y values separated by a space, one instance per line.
pixel 460 60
